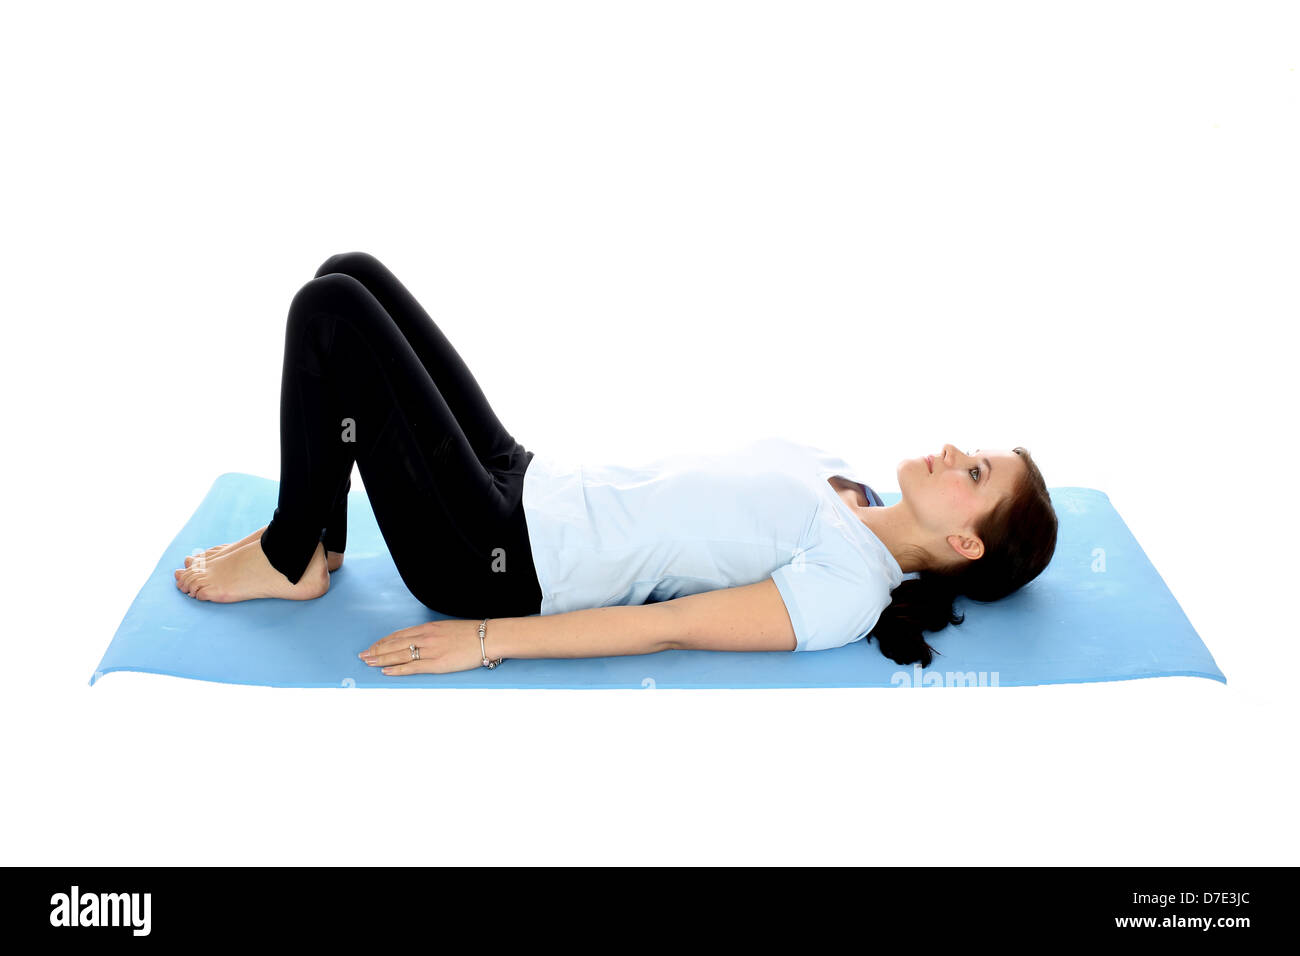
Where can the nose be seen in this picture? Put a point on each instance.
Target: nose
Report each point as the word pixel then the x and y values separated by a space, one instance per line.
pixel 951 455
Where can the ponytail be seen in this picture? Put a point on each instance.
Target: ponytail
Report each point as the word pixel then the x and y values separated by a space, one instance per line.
pixel 919 604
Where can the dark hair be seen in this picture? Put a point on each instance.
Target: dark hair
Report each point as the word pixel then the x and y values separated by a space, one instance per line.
pixel 1019 536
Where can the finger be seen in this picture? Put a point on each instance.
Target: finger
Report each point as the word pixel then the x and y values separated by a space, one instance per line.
pixel 396 639
pixel 403 638
pixel 400 655
pixel 412 667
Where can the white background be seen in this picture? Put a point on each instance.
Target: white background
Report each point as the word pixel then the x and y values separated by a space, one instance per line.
pixel 648 228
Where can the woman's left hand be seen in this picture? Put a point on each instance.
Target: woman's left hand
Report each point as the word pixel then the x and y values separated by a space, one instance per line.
pixel 444 646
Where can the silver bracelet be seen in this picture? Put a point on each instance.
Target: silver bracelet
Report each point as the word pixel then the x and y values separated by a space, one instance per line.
pixel 482 628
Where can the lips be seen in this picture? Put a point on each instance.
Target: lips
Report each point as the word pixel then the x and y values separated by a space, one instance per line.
pixel 929 463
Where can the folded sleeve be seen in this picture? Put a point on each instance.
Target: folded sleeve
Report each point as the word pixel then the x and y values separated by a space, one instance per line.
pixel 831 602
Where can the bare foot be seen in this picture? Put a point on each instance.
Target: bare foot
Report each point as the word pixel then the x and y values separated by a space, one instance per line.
pixel 244 573
pixel 333 559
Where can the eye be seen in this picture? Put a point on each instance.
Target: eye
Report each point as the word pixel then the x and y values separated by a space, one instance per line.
pixel 976 469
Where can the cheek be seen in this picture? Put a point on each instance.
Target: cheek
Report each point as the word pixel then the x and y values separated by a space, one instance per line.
pixel 957 492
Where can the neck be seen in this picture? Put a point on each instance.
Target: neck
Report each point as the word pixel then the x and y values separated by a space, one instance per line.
pixel 894 526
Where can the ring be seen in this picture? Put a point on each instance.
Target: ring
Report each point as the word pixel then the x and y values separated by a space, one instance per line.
pixel 415 653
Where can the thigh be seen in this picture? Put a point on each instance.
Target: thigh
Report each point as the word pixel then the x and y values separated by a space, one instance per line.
pixel 492 443
pixel 465 559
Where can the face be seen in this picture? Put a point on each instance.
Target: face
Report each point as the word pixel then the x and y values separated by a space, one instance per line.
pixel 950 496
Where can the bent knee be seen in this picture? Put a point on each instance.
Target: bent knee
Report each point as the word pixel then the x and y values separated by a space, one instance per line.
pixel 349 263
pixel 324 290
pixel 320 300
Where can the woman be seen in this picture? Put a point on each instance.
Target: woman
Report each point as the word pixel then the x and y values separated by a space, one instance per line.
pixel 773 546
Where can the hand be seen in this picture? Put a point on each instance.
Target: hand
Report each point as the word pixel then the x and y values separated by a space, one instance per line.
pixel 445 647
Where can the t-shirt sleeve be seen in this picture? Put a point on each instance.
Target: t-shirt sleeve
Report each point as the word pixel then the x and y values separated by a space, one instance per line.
pixel 830 603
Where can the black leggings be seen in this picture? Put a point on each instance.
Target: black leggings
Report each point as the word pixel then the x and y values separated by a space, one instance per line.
pixel 368 377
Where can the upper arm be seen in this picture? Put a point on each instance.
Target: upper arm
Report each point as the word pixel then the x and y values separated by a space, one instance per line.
pixel 751 617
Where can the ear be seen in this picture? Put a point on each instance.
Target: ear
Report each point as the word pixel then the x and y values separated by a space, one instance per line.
pixel 967 545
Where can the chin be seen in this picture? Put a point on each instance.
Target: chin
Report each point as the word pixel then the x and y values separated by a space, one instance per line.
pixel 906 472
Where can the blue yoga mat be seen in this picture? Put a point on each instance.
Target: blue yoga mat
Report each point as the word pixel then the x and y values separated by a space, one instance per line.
pixel 1098 612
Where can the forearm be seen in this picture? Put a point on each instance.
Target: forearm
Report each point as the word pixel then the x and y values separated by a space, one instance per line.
pixel 591 632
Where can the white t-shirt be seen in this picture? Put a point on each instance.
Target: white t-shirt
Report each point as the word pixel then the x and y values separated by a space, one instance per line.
pixel 606 534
